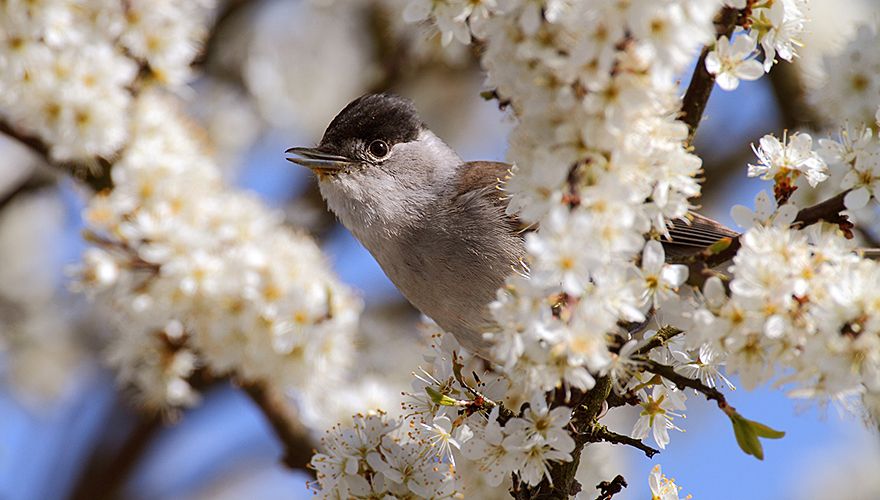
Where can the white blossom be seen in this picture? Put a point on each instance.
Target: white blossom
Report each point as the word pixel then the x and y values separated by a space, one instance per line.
pixel 487 449
pixel 791 156
pixel 766 212
pixel 440 432
pixel 375 456
pixel 658 411
pixel 779 24
pixel 702 364
pixel 660 280
pixel 733 60
pixel 663 488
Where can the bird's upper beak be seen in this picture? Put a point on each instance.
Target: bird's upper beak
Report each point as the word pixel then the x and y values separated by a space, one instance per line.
pixel 318 161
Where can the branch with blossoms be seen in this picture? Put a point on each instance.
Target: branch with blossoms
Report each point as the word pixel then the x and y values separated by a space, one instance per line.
pixel 701 265
pixel 560 352
pixel 181 261
pixel 94 173
pixel 200 275
pixel 702 82
pixel 294 437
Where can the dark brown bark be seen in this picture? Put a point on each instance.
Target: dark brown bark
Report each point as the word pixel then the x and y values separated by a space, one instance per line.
pixel 95 175
pixel 294 437
pixel 564 484
pixel 701 84
pixel 106 474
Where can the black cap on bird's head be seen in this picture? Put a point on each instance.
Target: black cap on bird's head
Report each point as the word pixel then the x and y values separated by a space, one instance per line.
pixel 362 133
pixel 387 117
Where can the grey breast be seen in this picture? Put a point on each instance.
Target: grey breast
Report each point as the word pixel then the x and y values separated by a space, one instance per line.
pixel 457 261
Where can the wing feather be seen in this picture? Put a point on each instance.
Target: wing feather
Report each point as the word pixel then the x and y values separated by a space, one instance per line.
pixel 485 179
pixel 687 236
pixel 694 233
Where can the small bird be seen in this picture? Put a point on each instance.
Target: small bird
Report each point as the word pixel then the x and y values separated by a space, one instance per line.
pixel 436 224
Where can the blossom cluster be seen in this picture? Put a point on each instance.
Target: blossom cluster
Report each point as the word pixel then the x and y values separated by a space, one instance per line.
pixel 849 90
pixel 774 25
pixel 444 424
pixel 460 445
pixel 800 302
pixel 68 69
pixel 380 457
pixel 600 163
pixel 198 278
pixel 199 274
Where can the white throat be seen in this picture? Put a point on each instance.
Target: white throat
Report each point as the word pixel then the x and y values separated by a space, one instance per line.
pixel 383 200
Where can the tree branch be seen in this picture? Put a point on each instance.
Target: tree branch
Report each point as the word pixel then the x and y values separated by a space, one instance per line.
pixel 828 210
pixel 564 484
pixel 701 84
pixel 600 433
pixel 681 381
pixel 33 184
pixel 106 473
pixel 791 97
pixel 608 489
pixel 95 175
pixel 660 338
pixel 294 437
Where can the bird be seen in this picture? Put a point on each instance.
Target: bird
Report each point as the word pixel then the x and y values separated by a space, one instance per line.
pixel 437 225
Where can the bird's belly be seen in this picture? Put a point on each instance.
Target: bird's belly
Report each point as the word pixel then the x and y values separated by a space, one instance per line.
pixel 450 281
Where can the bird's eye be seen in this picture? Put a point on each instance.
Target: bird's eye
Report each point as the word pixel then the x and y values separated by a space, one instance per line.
pixel 378 149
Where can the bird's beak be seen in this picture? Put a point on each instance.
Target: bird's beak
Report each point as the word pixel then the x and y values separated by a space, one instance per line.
pixel 318 161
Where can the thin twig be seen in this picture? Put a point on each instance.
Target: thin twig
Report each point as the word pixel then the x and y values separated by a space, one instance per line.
pixel 600 433
pixel 828 210
pixel 628 398
pixel 660 338
pixel 294 437
pixel 608 489
pixel 681 381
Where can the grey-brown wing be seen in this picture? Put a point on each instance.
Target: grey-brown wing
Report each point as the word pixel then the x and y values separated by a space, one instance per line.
pixel 688 236
pixel 693 234
pixel 485 179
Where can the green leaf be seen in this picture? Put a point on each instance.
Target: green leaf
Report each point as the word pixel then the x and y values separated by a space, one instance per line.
pixel 766 432
pixel 748 431
pixel 438 398
pixel 746 436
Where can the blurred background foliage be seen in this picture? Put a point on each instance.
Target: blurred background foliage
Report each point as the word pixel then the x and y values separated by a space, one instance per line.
pixel 272 75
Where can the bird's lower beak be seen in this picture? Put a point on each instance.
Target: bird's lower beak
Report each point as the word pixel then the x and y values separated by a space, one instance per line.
pixel 318 161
